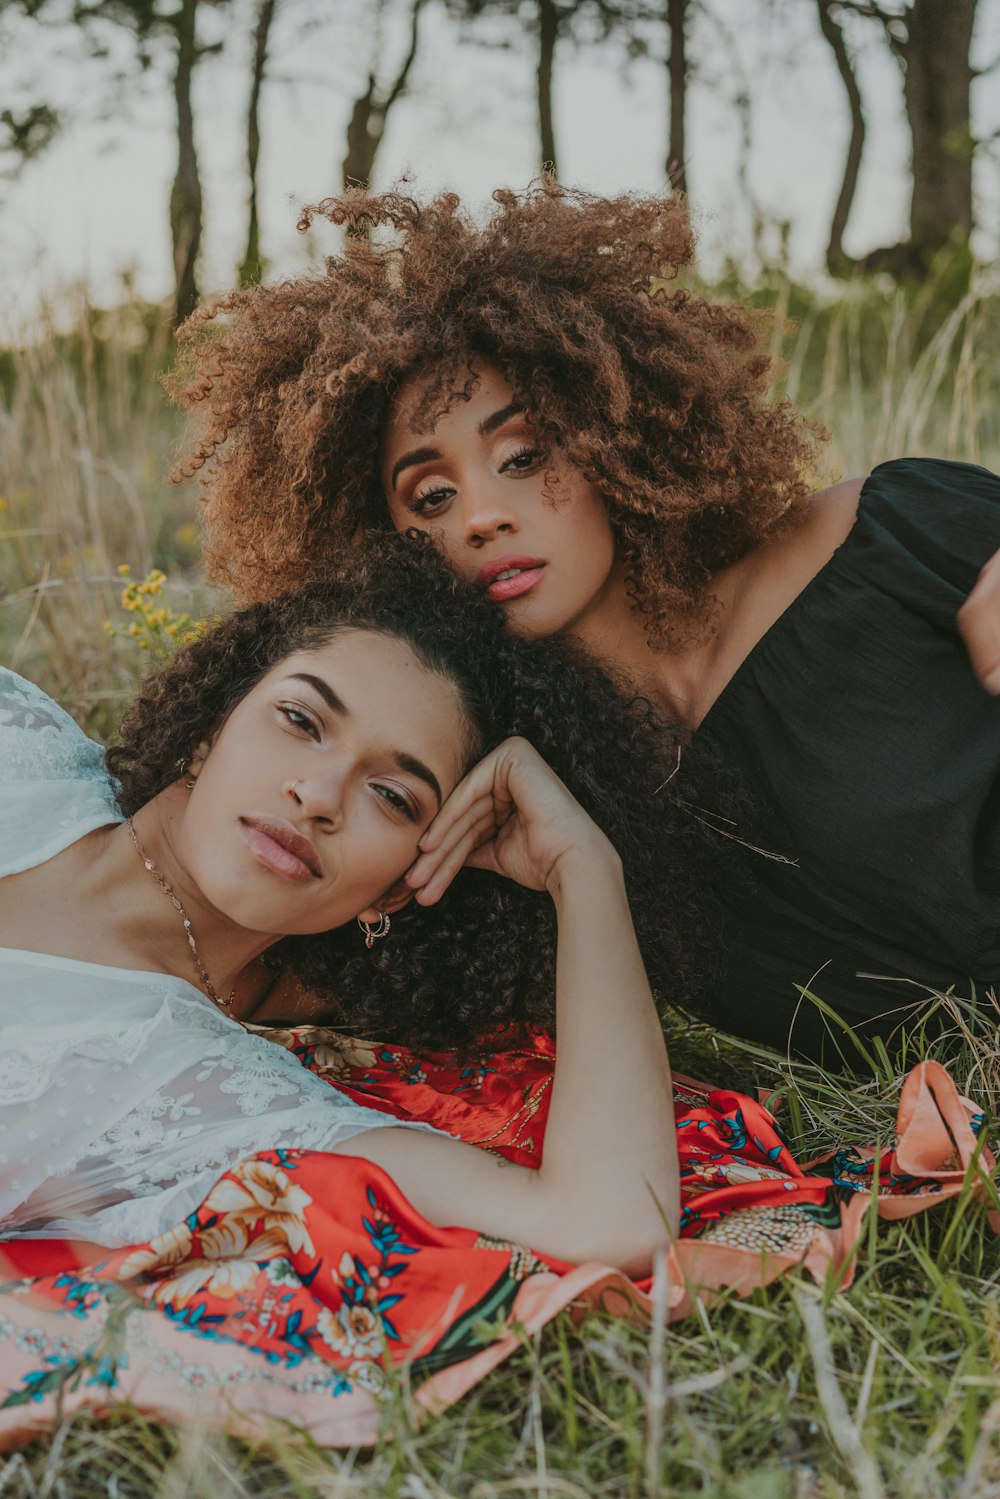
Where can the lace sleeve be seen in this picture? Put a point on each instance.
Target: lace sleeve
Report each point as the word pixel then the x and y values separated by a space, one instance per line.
pixel 124 1096
pixel 53 784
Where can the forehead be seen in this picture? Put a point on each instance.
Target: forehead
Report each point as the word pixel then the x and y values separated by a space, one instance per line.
pixel 406 418
pixel 394 701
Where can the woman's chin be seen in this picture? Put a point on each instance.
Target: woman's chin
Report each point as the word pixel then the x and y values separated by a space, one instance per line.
pixel 531 620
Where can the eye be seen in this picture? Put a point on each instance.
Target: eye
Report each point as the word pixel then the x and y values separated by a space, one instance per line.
pixel 431 501
pixel 395 800
pixel 299 719
pixel 523 460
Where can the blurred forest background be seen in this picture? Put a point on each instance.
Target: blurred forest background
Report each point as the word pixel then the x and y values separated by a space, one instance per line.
pixel 842 159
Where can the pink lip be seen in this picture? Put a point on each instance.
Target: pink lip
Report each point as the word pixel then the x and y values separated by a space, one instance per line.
pixel 280 848
pixel 531 570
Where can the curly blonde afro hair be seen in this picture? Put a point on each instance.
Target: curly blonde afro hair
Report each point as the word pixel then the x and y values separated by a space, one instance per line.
pixel 659 397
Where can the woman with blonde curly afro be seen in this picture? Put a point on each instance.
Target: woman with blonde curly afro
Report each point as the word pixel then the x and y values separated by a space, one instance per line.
pixel 595 447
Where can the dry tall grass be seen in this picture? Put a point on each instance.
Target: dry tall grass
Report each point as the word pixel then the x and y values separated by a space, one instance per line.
pixel 86 438
pixel 87 434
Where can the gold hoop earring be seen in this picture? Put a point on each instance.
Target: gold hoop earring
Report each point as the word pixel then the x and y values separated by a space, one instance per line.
pixel 371 932
pixel 182 766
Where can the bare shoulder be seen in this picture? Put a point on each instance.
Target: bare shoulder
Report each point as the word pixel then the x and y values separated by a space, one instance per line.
pixel 824 524
pixel 761 587
pixel 830 513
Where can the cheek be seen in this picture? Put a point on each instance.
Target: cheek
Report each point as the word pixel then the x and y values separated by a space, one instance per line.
pixel 399 518
pixel 375 852
pixel 589 531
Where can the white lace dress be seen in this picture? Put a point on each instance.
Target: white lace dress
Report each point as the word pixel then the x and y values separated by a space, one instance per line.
pixel 123 1094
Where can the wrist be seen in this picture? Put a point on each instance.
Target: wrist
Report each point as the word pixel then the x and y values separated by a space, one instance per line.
pixel 593 859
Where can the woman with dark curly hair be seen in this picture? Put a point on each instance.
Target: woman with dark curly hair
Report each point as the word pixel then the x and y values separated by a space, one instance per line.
pixel 595 450
pixel 307 768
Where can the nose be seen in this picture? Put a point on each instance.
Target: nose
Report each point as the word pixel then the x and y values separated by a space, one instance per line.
pixel 319 797
pixel 487 513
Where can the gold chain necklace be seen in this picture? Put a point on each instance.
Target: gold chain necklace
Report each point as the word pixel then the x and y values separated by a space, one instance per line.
pixel 167 889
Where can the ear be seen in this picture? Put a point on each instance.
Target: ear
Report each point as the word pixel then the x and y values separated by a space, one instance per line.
pixel 394 899
pixel 198 757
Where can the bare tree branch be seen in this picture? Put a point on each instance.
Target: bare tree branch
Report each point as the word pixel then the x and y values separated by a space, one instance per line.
pixel 870 11
pixel 677 72
pixel 835 258
pixel 371 111
pixel 548 34
pixel 891 22
pixel 404 73
pixel 250 270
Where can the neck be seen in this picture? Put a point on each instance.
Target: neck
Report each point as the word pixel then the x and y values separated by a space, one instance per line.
pixel 676 681
pixel 147 922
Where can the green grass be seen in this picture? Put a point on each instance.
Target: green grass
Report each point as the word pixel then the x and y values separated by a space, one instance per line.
pixel 887 1389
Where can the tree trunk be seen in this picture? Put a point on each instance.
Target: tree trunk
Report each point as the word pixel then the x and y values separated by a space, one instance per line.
pixel 250 270
pixel 936 90
pixel 362 140
pixel 677 74
pixel 548 34
pixel 836 261
pixel 371 112
pixel 185 196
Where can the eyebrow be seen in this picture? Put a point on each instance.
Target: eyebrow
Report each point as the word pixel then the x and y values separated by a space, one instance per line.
pixel 490 424
pixel 487 427
pixel 325 691
pixel 401 758
pixel 420 770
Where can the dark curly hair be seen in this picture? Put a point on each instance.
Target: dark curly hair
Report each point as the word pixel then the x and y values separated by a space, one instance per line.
pixel 657 396
pixel 483 958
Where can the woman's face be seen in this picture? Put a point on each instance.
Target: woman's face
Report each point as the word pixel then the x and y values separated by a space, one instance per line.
pixel 509 515
pixel 308 805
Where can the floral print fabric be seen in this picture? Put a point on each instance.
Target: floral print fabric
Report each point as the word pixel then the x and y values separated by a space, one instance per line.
pixel 304 1277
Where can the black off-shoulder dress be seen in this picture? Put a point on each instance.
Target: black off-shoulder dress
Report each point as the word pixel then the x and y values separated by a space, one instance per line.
pixel 870 755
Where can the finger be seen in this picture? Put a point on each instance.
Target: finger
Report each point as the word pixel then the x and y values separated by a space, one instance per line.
pixel 477 785
pixel 456 861
pixel 487 779
pixel 427 862
pixel 477 836
pixel 485 857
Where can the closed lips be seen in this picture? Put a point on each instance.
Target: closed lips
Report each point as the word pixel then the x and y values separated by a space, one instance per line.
pixel 281 848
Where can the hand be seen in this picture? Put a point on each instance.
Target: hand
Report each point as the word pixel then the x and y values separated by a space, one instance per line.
pixel 979 623
pixel 512 815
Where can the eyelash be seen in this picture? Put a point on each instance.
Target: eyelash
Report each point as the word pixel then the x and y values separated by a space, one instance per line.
pixel 420 503
pixel 398 802
pixel 303 721
pixel 299 719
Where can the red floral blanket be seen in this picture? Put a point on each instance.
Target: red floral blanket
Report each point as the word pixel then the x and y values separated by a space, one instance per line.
pixel 304 1278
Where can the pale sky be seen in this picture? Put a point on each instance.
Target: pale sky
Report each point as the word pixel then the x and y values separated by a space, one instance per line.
pixel 95 204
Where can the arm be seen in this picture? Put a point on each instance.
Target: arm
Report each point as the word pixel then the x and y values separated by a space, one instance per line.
pixel 979 623
pixel 607 1188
